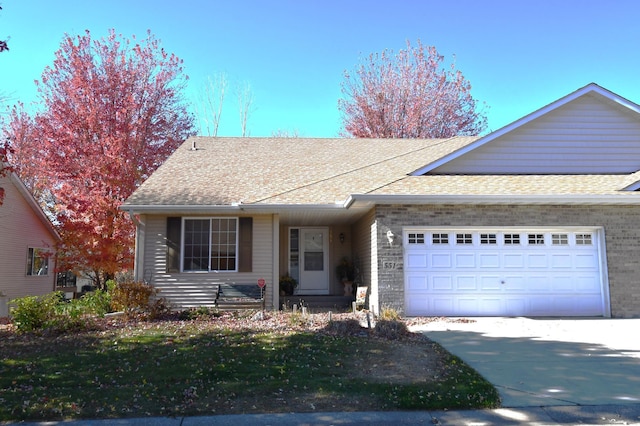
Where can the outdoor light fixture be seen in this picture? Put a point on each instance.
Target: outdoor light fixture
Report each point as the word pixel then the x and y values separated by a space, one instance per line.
pixel 341 236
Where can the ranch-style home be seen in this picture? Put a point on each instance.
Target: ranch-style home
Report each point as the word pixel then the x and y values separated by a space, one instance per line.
pixel 539 218
pixel 27 241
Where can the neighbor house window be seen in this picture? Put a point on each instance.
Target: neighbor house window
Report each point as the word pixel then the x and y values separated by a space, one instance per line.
pixel 210 244
pixel 38 261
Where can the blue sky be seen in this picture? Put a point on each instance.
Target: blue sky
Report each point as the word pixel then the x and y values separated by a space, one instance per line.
pixel 519 55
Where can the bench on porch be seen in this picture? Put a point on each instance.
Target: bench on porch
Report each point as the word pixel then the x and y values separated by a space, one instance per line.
pixel 237 296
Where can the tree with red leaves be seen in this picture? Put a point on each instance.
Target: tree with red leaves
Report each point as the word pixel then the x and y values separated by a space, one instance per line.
pixel 112 113
pixel 408 95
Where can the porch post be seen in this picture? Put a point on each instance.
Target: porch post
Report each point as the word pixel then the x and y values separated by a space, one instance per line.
pixel 275 290
pixel 139 252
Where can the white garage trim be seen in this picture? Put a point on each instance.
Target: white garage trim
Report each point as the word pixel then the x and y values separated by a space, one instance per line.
pixel 510 271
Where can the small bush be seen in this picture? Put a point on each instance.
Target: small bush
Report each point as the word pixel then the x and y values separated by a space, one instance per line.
pixel 133 298
pixel 347 327
pixel 390 314
pixel 32 313
pixel 96 302
pixel 391 329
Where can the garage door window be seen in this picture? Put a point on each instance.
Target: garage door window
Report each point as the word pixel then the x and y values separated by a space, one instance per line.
pixel 512 239
pixel 536 239
pixel 583 239
pixel 560 239
pixel 416 238
pixel 464 239
pixel 440 238
pixel 488 239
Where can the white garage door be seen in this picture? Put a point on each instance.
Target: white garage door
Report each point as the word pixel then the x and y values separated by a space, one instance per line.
pixel 528 272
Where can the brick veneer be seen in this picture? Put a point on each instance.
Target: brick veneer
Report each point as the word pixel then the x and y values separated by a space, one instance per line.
pixel 621 228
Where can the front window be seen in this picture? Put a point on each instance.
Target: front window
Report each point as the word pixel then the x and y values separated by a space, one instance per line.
pixel 38 261
pixel 210 244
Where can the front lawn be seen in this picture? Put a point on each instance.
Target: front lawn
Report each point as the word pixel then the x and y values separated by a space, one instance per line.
pixel 229 364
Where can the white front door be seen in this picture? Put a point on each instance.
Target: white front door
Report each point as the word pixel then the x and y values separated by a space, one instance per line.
pixel 314 261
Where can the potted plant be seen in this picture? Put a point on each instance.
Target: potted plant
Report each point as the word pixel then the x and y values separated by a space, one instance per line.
pixel 287 285
pixel 344 272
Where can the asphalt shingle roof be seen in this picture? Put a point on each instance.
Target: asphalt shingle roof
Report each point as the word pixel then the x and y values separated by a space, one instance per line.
pixel 223 171
pixel 290 171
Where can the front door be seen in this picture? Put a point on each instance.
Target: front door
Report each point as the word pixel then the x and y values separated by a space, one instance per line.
pixel 314 261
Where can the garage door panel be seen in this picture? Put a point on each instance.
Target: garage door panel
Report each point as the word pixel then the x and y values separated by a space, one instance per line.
pixel 514 283
pixel 489 260
pixel 515 306
pixel 561 261
pixel 418 282
pixel 490 282
pixel 441 260
pixel 538 283
pixel 553 273
pixel 513 260
pixel 417 260
pixel 466 283
pixel 465 260
pixel 443 305
pixel 587 284
pixel 468 304
pixel 491 306
pixel 442 282
pixel 537 260
pixel 586 261
pixel 563 284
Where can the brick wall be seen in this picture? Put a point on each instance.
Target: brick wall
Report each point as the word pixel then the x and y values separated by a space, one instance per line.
pixel 621 229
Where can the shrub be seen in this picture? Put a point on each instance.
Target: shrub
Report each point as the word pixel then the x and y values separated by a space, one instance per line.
pixel 391 329
pixel 390 314
pixel 133 297
pixel 96 302
pixel 32 313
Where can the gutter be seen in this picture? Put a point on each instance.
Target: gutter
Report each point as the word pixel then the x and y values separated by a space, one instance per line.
pixel 630 199
pixel 233 208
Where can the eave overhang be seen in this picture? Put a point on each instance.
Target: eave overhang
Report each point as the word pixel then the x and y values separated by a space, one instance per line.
pixel 559 199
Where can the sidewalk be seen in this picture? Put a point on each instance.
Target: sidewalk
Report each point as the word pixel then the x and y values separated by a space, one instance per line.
pixel 551 415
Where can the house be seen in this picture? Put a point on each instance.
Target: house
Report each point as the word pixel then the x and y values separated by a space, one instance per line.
pixel 539 218
pixel 27 261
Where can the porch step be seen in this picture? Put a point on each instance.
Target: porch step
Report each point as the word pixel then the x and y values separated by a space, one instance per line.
pixel 314 301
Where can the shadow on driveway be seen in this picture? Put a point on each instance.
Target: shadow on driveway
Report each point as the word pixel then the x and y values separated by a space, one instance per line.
pixel 546 362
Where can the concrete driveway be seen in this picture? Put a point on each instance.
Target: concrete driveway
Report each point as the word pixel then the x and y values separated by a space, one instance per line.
pixel 547 362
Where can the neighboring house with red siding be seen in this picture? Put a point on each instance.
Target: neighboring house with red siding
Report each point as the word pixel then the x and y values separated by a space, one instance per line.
pixel 539 218
pixel 27 241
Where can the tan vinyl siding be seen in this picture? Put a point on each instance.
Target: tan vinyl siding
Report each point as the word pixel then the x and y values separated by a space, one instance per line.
pixel 20 229
pixel 589 135
pixel 190 289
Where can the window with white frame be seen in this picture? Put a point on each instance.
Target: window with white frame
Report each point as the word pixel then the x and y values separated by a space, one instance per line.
pixel 210 244
pixel 38 261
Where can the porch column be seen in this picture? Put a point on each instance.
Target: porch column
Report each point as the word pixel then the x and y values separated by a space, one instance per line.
pixel 138 264
pixel 275 279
